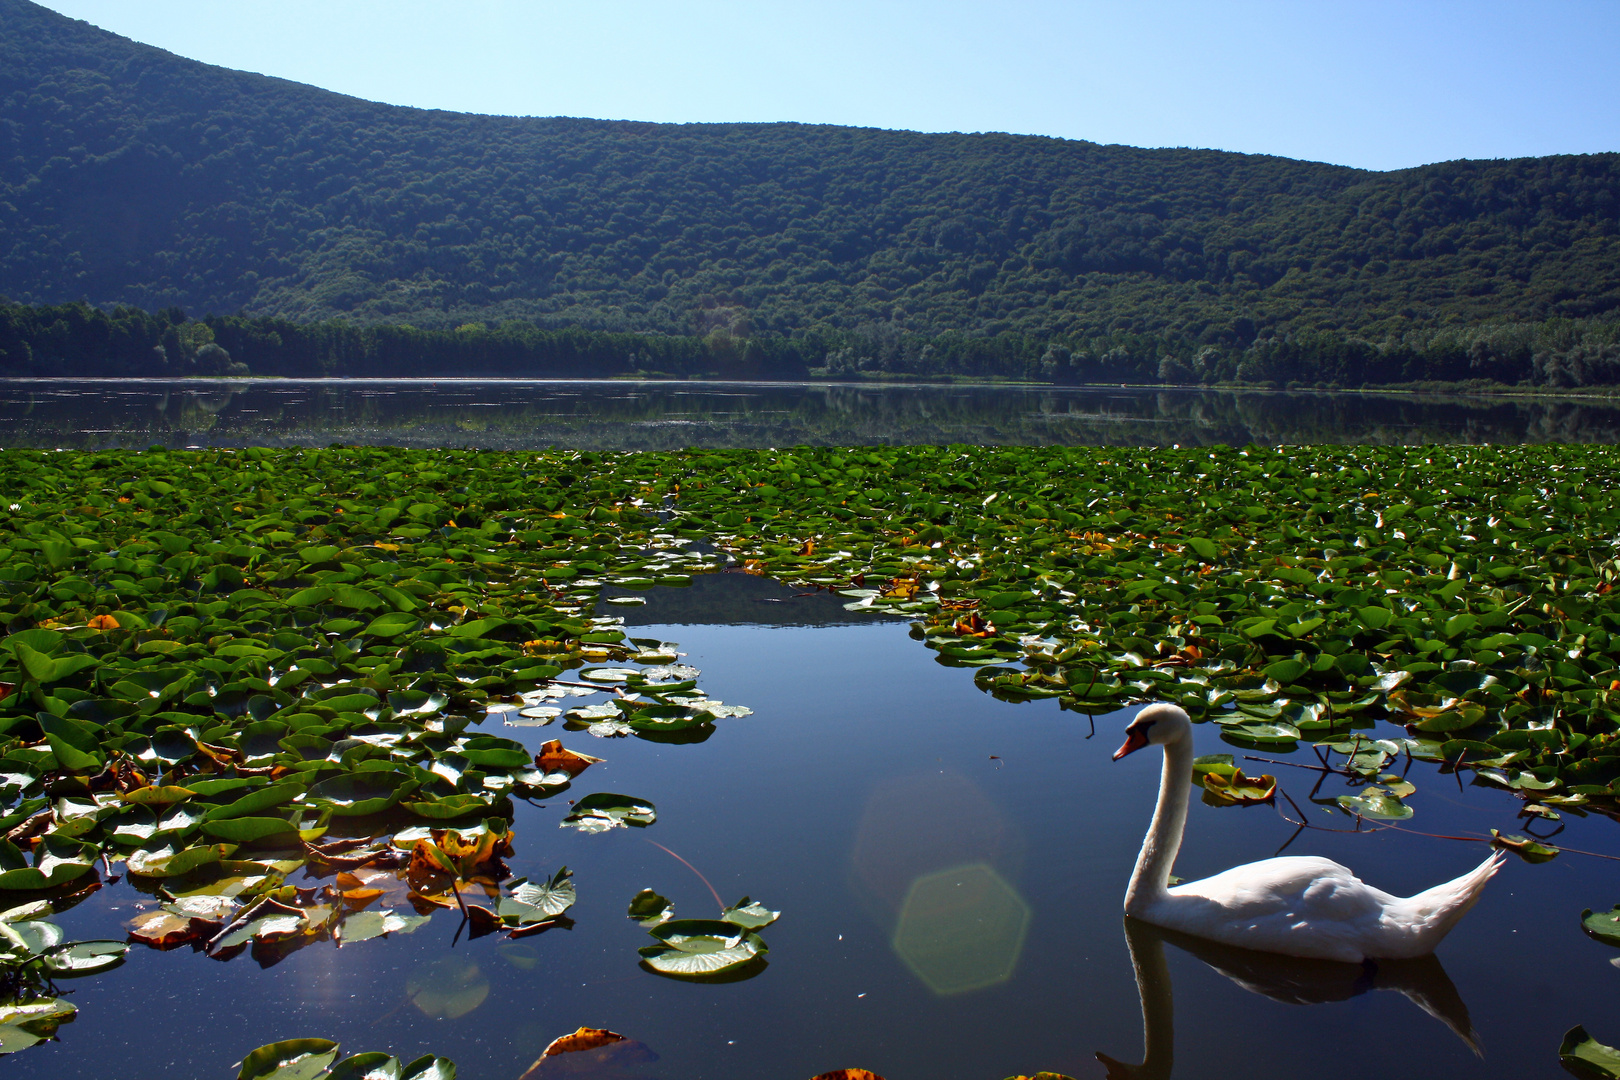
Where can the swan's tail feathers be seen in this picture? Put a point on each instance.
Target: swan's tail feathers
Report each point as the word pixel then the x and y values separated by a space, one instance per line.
pixel 1433 912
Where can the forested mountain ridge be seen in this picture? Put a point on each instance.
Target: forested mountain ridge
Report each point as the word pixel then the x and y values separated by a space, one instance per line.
pixel 132 176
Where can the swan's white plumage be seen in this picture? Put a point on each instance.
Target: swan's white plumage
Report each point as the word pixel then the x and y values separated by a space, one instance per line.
pixel 1296 905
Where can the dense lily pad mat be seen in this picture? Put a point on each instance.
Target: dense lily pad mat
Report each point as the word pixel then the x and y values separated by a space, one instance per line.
pixel 307 628
pixel 220 669
pixel 1282 592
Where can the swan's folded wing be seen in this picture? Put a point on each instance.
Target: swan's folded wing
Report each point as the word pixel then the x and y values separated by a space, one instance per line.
pixel 1301 906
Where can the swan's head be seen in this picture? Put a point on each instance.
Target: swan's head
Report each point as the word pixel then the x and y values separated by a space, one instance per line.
pixel 1156 725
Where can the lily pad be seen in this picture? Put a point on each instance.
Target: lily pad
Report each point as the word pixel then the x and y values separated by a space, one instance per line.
pixel 290 1059
pixel 1586 1057
pixel 1377 803
pixel 702 949
pixel 605 810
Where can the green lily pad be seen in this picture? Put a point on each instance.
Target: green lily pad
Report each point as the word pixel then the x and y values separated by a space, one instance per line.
pixel 749 914
pixel 1376 802
pixel 1604 926
pixel 650 909
pixel 1586 1057
pixel 537 901
pixel 605 810
pixel 702 949
pixel 290 1059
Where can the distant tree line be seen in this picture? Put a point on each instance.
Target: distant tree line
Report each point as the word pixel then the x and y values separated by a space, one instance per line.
pixel 82 341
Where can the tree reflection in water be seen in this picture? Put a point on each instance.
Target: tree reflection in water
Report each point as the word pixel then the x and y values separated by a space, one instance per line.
pixel 619 415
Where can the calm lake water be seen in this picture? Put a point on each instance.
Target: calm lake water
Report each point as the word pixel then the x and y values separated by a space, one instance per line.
pixel 668 415
pixel 950 867
pixel 950 870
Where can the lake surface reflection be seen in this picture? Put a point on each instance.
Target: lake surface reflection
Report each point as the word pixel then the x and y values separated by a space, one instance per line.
pixel 950 869
pixel 614 415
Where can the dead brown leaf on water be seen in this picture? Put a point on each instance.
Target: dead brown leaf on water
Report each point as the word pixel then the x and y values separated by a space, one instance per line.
pixel 856 1074
pixel 166 930
pixel 594 1053
pixel 585 1038
pixel 554 758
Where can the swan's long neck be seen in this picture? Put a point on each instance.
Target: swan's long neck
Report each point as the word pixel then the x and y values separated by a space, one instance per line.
pixel 1152 875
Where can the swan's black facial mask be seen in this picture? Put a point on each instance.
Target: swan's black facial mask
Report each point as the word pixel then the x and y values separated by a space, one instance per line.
pixel 1136 737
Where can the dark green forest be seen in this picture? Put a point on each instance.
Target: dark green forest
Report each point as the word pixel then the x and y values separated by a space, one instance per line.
pixel 324 234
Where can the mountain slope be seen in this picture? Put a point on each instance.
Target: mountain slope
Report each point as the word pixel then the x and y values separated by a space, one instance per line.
pixel 129 175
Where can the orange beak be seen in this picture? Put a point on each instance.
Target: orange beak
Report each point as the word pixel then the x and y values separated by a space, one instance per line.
pixel 1135 739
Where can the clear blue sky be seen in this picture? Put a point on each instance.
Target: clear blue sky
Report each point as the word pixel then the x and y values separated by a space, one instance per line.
pixel 1372 83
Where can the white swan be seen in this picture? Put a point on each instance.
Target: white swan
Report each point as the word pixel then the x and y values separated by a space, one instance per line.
pixel 1295 905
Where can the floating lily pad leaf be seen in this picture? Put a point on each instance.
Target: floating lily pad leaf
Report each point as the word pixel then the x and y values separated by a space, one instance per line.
pixel 749 914
pixel 1525 848
pixel 76 958
pixel 260 799
pixel 290 1059
pixel 57 861
pixel 533 716
pixel 1604 926
pixel 667 673
pixel 1218 764
pixel 38 935
pixel 450 987
pixel 36 909
pixel 589 713
pixel 428 1067
pixel 1464 715
pixel 39 1016
pixel 163 929
pixel 416 702
pixel 450 807
pixel 720 710
pixel 650 909
pixel 13 1039
pixel 1398 786
pixel 1237 789
pixel 1376 802
pixel 365 925
pixel 1259 733
pixel 246 830
pixel 375 1065
pixel 538 901
pixel 157 796
pixel 278 924
pixel 605 810
pixel 361 793
pixel 1586 1057
pixel 608 674
pixel 170 860
pixel 702 948
pixel 392 625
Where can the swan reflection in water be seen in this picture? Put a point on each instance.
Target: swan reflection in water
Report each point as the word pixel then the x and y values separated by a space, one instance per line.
pixel 1288 979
